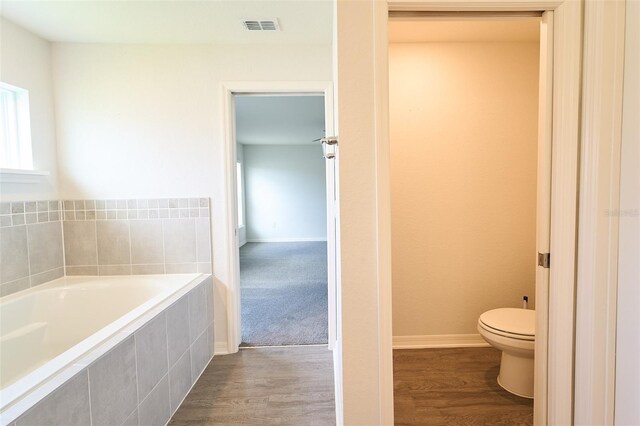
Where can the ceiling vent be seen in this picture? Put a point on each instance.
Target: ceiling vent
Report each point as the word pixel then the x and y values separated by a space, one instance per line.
pixel 270 24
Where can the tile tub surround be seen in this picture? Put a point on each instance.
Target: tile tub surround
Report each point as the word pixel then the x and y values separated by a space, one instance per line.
pixel 30 244
pixel 147 236
pixel 44 240
pixel 143 378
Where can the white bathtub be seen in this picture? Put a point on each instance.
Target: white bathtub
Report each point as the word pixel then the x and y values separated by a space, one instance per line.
pixel 48 328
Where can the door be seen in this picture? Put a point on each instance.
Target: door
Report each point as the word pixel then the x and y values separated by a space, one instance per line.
pixel 330 151
pixel 543 216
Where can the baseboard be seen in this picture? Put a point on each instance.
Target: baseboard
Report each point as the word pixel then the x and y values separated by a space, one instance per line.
pixel 439 341
pixel 283 240
pixel 221 348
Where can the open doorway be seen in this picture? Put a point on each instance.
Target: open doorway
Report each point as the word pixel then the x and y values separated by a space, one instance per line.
pixel 468 187
pixel 281 193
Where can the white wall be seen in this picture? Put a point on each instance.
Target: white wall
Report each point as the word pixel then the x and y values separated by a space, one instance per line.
pixel 26 63
pixel 139 121
pixel 627 409
pixel 463 121
pixel 242 230
pixel 285 193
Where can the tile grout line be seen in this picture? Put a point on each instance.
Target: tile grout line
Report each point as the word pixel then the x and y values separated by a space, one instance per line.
pixel 26 230
pixel 166 331
pixel 64 252
pixel 164 254
pixel 89 394
pixel 135 354
pixel 195 230
pixel 189 331
pixel 130 245
pixel 95 227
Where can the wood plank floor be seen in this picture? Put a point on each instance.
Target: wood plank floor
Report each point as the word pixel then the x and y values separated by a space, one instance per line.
pixel 454 387
pixel 265 386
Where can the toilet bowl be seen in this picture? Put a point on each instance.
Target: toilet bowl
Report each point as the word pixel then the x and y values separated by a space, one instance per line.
pixel 512 331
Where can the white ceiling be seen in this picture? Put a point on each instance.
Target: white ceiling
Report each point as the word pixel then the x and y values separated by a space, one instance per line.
pixel 279 120
pixel 182 21
pixel 425 31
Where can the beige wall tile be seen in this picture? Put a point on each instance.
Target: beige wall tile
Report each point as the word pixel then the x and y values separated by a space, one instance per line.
pixel 146 242
pixel 47 276
pixel 45 246
pixel 147 269
pixel 114 270
pixel 14 262
pixel 180 268
pixel 203 239
pixel 81 270
pixel 204 268
pixel 67 405
pixel 114 247
pixel 179 240
pixel 80 243
pixel 14 286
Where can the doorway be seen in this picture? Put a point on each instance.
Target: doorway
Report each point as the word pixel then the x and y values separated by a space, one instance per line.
pixel 282 219
pixel 466 185
pixel 287 276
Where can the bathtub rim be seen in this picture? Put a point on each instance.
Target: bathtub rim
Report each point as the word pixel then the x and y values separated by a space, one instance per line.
pixel 21 399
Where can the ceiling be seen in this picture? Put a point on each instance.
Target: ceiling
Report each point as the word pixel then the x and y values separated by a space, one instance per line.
pixel 279 120
pixel 425 31
pixel 173 21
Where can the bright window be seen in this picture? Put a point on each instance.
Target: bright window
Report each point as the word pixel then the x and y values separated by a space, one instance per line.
pixel 240 194
pixel 15 128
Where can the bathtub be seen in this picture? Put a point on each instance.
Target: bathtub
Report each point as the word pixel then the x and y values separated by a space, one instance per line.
pixel 50 334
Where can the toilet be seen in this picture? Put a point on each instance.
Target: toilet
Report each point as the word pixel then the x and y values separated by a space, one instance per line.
pixel 512 331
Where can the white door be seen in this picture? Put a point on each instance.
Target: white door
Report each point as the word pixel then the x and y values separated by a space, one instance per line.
pixel 543 216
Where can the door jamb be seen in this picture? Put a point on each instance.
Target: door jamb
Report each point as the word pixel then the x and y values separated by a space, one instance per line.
pixel 596 297
pixel 567 61
pixel 228 90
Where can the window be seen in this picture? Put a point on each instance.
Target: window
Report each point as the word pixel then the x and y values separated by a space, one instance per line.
pixel 15 128
pixel 240 194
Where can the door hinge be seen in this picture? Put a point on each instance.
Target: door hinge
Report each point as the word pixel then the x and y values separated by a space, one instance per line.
pixel 544 260
pixel 331 140
pixel 329 146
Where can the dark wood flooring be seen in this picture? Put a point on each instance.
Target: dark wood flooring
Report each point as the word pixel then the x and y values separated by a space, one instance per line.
pixel 454 387
pixel 294 386
pixel 265 386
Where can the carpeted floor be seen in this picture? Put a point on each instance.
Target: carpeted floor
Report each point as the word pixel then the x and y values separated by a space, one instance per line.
pixel 283 290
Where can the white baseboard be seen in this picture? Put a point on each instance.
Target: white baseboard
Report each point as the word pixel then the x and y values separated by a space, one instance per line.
pixel 283 240
pixel 439 341
pixel 221 348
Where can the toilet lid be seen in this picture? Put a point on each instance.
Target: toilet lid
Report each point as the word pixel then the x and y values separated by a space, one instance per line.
pixel 511 320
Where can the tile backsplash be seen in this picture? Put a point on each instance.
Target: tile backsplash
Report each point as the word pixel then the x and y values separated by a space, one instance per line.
pixel 31 250
pixel 164 208
pixel 42 240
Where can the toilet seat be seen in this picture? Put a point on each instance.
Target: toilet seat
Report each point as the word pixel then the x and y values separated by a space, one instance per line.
pixel 510 322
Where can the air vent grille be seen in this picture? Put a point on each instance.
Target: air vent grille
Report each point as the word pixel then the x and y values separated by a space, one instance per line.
pixel 261 24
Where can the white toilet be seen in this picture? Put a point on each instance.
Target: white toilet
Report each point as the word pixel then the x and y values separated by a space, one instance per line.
pixel 512 331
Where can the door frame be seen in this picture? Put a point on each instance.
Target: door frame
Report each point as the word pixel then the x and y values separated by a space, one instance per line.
pixel 554 399
pixel 228 90
pixel 598 238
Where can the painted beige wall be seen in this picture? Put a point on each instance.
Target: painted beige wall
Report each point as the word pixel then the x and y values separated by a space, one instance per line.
pixel 25 61
pixel 463 120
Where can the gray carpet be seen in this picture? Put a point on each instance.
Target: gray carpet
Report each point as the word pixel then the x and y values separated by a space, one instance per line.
pixel 283 288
